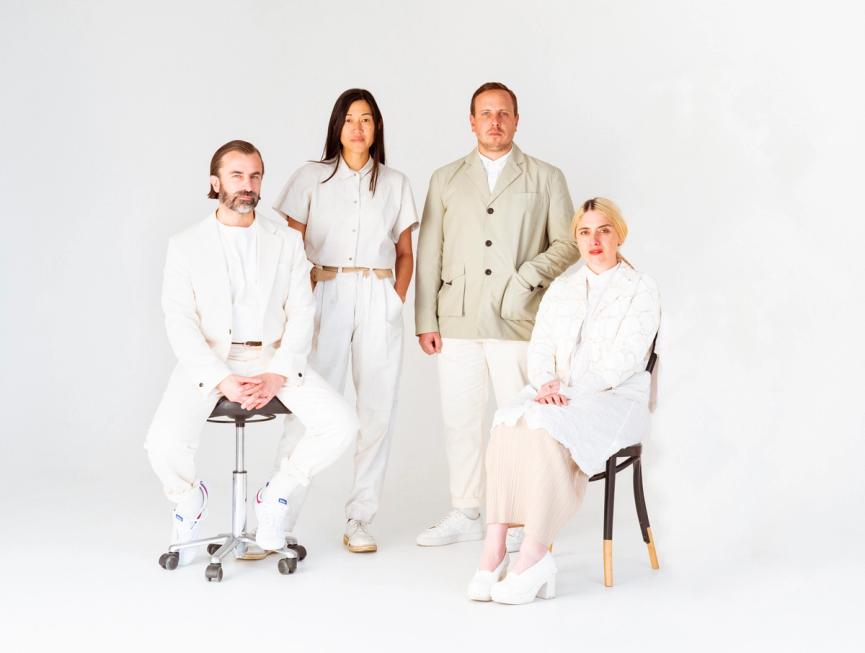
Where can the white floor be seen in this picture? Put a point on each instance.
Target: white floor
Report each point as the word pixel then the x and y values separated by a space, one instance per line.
pixel 88 579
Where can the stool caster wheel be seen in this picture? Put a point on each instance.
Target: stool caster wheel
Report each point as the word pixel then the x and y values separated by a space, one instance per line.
pixel 213 572
pixel 169 560
pixel 213 548
pixel 299 549
pixel 286 566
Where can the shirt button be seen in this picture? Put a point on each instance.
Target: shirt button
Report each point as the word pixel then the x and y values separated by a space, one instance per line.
pixel 491 210
pixel 489 243
pixel 488 272
pixel 200 385
pixel 349 258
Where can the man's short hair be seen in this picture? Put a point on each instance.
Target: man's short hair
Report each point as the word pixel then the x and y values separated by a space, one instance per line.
pixel 231 146
pixel 494 86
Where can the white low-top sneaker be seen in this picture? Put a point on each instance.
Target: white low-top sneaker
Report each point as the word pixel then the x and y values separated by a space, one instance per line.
pixel 537 580
pixel 514 540
pixel 270 513
pixel 455 527
pixel 482 581
pixel 186 520
pixel 357 538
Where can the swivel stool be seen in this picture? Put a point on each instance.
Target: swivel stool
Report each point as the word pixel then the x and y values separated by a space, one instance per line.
pixel 239 539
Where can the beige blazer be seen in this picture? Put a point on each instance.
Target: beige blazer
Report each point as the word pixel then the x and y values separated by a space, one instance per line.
pixel 196 299
pixel 485 259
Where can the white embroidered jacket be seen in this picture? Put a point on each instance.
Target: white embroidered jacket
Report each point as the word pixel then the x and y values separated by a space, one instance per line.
pixel 619 334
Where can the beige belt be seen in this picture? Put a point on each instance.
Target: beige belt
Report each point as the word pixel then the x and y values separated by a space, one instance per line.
pixel 328 272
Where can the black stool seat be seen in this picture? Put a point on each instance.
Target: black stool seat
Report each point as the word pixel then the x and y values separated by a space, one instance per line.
pixel 234 413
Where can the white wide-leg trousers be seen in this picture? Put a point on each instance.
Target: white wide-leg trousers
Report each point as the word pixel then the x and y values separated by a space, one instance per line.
pixel 358 316
pixel 175 432
pixel 465 367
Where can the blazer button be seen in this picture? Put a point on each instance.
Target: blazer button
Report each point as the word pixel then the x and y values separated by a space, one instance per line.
pixel 488 272
pixel 489 243
pixel 491 210
pixel 300 373
pixel 200 385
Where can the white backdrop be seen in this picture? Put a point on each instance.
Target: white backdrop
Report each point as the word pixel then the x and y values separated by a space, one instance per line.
pixel 730 133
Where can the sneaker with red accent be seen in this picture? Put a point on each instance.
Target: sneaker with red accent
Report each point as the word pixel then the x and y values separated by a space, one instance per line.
pixel 271 513
pixel 186 520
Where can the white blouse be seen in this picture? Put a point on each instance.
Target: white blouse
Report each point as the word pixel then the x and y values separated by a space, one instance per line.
pixel 596 284
pixel 346 224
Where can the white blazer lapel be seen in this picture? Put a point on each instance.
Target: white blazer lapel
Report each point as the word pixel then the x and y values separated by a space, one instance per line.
pixel 213 261
pixel 269 250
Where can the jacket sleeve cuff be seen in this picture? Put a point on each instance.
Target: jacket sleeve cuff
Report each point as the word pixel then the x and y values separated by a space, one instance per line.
pixel 208 380
pixel 530 275
pixel 293 369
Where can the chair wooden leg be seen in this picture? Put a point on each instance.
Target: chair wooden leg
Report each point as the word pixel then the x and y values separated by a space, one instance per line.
pixel 643 515
pixel 609 497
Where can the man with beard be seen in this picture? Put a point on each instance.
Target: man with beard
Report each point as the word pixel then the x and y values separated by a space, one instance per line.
pixel 239 314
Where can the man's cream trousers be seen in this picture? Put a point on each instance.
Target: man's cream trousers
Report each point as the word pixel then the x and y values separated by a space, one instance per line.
pixel 465 367
pixel 175 433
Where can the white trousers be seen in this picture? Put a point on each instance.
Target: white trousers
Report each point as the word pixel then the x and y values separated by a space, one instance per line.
pixel 175 432
pixel 465 367
pixel 358 316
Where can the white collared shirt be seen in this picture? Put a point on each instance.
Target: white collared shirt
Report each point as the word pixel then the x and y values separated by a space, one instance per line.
pixel 494 167
pixel 240 247
pixel 346 225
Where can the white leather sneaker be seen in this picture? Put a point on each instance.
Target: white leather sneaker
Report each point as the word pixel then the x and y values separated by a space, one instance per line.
pixel 482 581
pixel 271 513
pixel 357 538
pixel 186 520
pixel 455 527
pixel 537 580
pixel 514 540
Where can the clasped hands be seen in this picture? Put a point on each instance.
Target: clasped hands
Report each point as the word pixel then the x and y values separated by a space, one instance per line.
pixel 550 393
pixel 251 392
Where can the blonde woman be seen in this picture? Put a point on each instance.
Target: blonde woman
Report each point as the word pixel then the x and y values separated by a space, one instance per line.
pixel 588 397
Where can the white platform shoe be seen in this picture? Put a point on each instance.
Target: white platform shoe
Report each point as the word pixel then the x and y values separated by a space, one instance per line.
pixel 482 581
pixel 537 580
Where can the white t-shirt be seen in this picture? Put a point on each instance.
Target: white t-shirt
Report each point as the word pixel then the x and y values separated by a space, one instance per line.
pixel 346 225
pixel 240 246
pixel 494 167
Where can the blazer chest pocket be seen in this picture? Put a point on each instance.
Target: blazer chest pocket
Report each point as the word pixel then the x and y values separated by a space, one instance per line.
pixel 451 296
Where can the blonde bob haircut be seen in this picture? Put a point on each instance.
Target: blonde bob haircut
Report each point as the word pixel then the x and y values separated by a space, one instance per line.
pixel 609 209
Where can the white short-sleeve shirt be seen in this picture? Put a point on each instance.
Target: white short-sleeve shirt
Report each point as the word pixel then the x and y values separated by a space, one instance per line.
pixel 346 224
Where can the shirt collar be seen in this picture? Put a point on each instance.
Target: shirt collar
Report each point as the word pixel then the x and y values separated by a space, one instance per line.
pixel 344 172
pixel 495 163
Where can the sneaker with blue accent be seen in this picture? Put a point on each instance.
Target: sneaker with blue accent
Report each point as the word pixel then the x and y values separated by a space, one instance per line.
pixel 271 513
pixel 186 519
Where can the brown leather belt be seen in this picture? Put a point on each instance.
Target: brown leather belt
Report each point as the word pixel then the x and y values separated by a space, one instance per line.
pixel 249 343
pixel 328 272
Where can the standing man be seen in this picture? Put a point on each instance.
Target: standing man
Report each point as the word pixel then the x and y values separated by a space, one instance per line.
pixel 495 232
pixel 239 315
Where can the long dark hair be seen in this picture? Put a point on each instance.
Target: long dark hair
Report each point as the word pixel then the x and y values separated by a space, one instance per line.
pixel 332 145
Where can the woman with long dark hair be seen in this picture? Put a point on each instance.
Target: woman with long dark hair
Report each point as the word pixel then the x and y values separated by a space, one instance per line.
pixel 356 216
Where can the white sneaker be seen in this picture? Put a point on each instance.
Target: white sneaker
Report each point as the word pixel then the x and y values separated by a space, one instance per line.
pixel 186 520
pixel 455 527
pixel 482 581
pixel 515 539
pixel 537 580
pixel 357 538
pixel 271 514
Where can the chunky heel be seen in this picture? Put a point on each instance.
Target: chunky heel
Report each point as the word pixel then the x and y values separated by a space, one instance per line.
pixel 548 589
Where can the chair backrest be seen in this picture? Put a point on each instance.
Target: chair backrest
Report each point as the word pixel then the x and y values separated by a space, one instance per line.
pixel 653 357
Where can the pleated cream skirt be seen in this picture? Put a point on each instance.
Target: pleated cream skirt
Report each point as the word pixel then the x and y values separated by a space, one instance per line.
pixel 531 481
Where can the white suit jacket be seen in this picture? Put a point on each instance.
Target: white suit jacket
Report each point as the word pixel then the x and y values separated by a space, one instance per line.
pixel 196 299
pixel 619 335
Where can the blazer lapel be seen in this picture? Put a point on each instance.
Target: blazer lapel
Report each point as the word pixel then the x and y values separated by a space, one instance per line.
pixel 214 260
pixel 475 171
pixel 269 249
pixel 512 171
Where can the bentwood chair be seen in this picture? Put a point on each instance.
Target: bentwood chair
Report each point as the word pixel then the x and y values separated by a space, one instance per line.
pixel 632 456
pixel 238 541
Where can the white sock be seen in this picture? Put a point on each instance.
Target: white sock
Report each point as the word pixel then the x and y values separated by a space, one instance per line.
pixel 471 513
